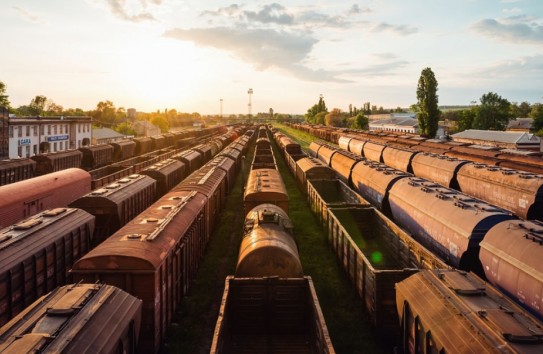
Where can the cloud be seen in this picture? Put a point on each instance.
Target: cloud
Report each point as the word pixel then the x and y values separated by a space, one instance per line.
pixel 512 29
pixel 516 69
pixel 380 70
pixel 512 10
pixel 133 11
pixel 28 16
pixel 231 11
pixel 403 30
pixel 273 13
pixel 355 10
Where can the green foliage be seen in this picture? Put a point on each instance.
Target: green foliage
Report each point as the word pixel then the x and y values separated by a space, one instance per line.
pixel 161 122
pixel 125 128
pixel 466 118
pixel 493 113
pixel 521 110
pixel 37 105
pixel 317 113
pixel 4 101
pixel 360 122
pixel 537 114
pixel 336 118
pixel 427 101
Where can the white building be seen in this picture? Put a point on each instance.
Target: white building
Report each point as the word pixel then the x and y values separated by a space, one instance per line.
pixel 499 139
pixel 30 136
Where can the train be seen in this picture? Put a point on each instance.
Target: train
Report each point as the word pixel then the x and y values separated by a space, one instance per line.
pixel 76 319
pixel 156 255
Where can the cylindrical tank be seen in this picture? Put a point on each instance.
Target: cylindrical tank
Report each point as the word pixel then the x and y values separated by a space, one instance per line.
pixel 268 247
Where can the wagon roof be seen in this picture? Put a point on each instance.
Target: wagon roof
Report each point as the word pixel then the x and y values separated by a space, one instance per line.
pixel 265 183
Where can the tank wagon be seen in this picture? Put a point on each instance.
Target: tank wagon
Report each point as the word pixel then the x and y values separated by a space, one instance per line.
pixel 438 168
pixel 449 311
pixel 57 161
pixel 399 158
pixel 25 198
pixel 117 203
pixel 12 171
pixel 76 319
pixel 37 253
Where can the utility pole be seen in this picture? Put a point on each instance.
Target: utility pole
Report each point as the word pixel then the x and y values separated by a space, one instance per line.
pixel 250 92
pixel 221 108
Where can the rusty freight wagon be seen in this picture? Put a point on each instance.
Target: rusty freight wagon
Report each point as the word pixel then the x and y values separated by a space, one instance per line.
pixel 123 149
pixel 167 174
pixel 116 204
pixel 375 254
pixel 25 198
pixel 37 253
pixel 76 319
pixel 143 145
pixel 192 159
pixel 310 168
pixel 440 169
pixel 399 158
pixel 57 161
pixel 269 315
pixel 154 257
pixel 450 311
pixel 265 186
pixel 12 171
pixel 95 156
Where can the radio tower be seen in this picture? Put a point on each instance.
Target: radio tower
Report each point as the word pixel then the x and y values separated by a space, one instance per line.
pixel 250 92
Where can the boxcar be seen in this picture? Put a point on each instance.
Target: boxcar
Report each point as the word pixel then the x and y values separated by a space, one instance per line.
pixel 76 319
pixel 233 154
pixel 57 161
pixel 263 161
pixel 375 254
pixel 265 186
pixel 123 149
pixel 144 145
pixel 449 223
pixel 511 254
pixel 246 325
pixel 167 175
pixel 37 253
pixel 154 257
pixel 116 204
pixel 158 142
pixel 192 159
pixel 449 311
pixel 438 168
pixel 95 156
pixel 268 247
pixel 25 198
pixel 310 168
pixel 12 171
pixel 229 167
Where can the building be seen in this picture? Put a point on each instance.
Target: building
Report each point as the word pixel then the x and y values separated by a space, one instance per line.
pixel 404 125
pixel 29 136
pixel 105 136
pixel 499 139
pixel 520 125
pixel 144 128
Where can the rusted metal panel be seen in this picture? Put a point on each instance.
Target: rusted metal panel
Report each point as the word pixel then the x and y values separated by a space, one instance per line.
pixel 25 198
pixel 325 154
pixel 344 141
pixel 246 325
pixel 12 171
pixel 374 151
pixel 343 162
pixel 511 254
pixel 310 168
pixel 438 168
pixel 265 186
pixel 192 159
pixel 57 161
pixel 516 191
pixel 167 175
pixel 399 158
pixel 470 157
pixel 123 149
pixel 76 319
pixel 448 311
pixel 373 181
pixel 37 253
pixel 95 156
pixel 143 145
pixel 158 142
pixel 314 148
pixel 356 145
pixel 447 222
pixel 268 247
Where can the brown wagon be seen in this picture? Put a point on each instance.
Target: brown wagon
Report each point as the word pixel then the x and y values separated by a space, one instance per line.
pixel 76 319
pixel 399 158
pixel 310 168
pixel 167 175
pixel 57 161
pixel 123 149
pixel 37 253
pixel 12 171
pixel 438 168
pixel 95 156
pixel 192 159
pixel 265 186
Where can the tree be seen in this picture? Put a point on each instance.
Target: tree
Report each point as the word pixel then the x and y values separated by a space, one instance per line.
pixel 105 114
pixel 427 101
pixel 4 102
pixel 521 110
pixel 161 122
pixel 537 114
pixel 493 113
pixel 466 118
pixel 360 122
pixel 314 114
pixel 37 105
pixel 335 118
pixel 125 129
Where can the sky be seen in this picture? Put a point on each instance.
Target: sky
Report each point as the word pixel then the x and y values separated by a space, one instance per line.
pixel 199 55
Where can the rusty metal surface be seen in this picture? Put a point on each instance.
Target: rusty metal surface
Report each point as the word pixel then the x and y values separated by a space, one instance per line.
pixel 143 145
pixel 12 171
pixel 123 149
pixel 344 141
pixel 309 168
pixel 58 189
pixel 456 312
pixel 519 192
pixel 95 156
pixel 470 157
pixel 447 222
pixel 356 145
pixel 438 168
pixel 511 255
pixel 167 173
pixel 76 319
pixel 342 162
pixel 325 153
pixel 314 148
pixel 265 186
pixel 399 158
pixel 373 151
pixel 192 159
pixel 57 161
pixel 373 181
pixel 268 247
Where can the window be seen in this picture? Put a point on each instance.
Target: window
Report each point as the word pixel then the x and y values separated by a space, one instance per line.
pixel 41 129
pixel 19 132
pixel 55 129
pixel 20 151
pixel 35 149
pixel 48 129
pixel 27 151
pixel 11 131
pixel 55 147
pixel 28 130
pixel 34 130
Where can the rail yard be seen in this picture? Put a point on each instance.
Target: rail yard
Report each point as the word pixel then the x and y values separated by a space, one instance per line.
pixel 250 239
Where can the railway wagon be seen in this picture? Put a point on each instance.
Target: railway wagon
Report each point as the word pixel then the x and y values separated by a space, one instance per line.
pixel 292 159
pixel 325 152
pixel 154 258
pixel 12 171
pixel 449 223
pixel 206 150
pixel 323 194
pixel 123 150
pixel 375 254
pixel 470 157
pixel 399 158
pixel 373 151
pixel 233 154
pixel 290 146
pixel 143 145
pixel 192 159
pixel 157 142
pixel 167 175
pixel 310 168
pixel 263 161
pixel 438 168
pixel 95 156
pixel 76 319
pixel 511 254
pixel 450 311
pixel 229 167
pixel 269 315
pixel 57 161
pixel 37 253
pixel 25 198
pixel 373 181
pixel 516 191
pixel 343 162
pixel 356 145
pixel 265 186
pixel 268 248
pixel 116 204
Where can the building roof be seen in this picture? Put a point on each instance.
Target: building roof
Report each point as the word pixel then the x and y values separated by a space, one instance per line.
pixel 105 133
pixel 401 121
pixel 520 123
pixel 498 136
